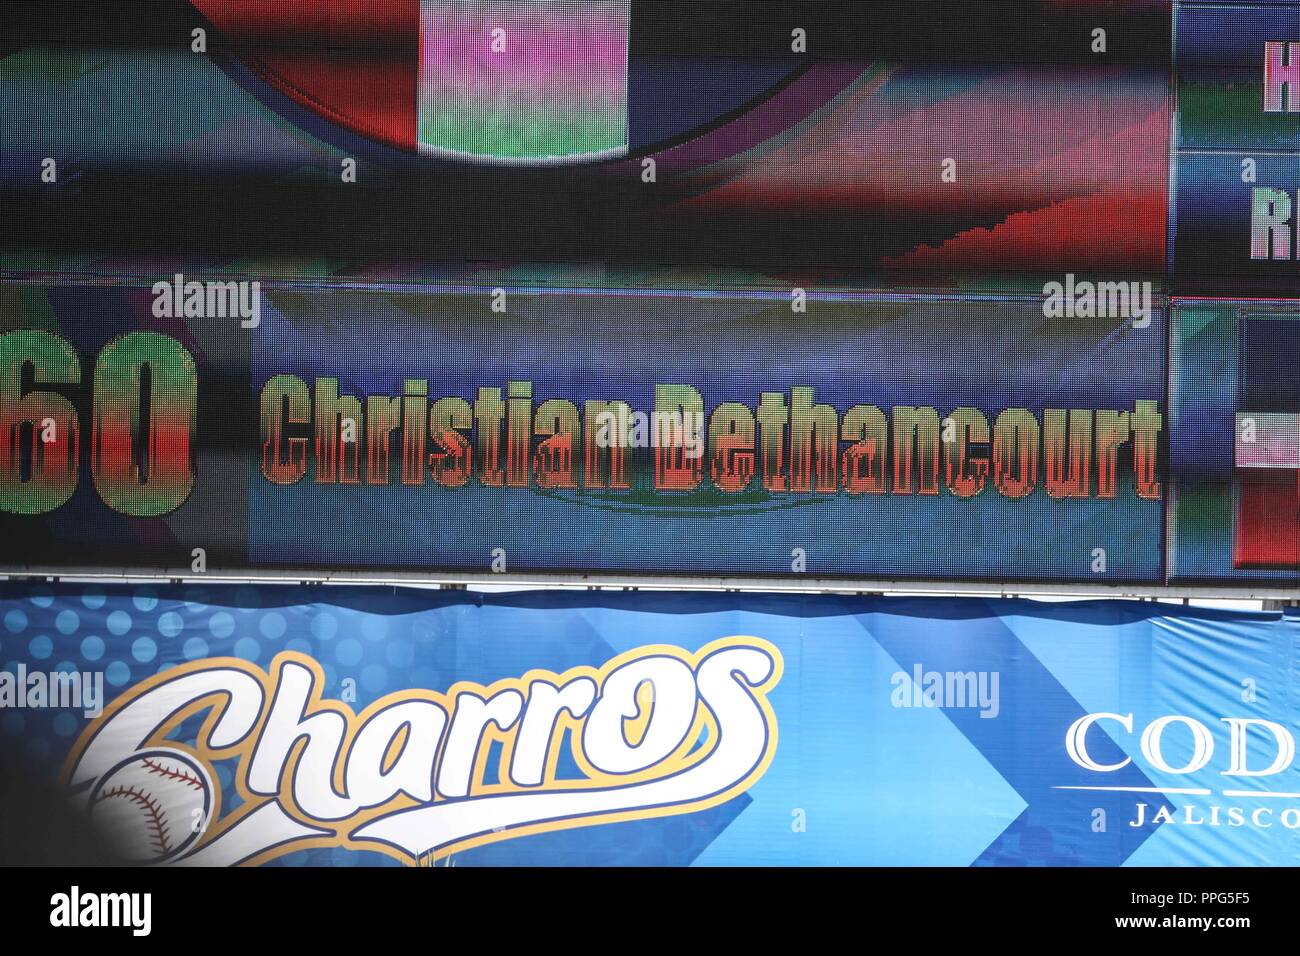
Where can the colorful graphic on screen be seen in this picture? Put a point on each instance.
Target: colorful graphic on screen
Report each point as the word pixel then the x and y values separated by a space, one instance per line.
pixel 561 130
pixel 528 82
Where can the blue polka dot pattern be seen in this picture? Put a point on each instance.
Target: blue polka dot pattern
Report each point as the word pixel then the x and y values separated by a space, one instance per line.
pixel 374 627
pixel 170 624
pixel 324 626
pixel 374 679
pixel 399 653
pixel 65 724
pixel 272 626
pixel 117 673
pixel 348 652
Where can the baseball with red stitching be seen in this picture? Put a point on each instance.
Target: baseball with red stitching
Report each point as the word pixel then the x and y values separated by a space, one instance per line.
pixel 154 806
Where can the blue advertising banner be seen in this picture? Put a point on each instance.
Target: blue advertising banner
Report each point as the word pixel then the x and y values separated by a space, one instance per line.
pixel 366 726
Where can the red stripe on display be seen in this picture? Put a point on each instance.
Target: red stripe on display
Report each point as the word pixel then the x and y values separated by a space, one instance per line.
pixel 1268 522
pixel 356 63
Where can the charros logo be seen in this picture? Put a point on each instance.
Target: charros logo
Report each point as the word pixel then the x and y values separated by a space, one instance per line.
pixel 420 774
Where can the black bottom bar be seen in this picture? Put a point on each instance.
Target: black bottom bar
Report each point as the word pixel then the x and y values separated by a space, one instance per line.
pixel 383 908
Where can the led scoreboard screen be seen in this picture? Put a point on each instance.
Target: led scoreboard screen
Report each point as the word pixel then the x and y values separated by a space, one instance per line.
pixel 917 292
pixel 614 431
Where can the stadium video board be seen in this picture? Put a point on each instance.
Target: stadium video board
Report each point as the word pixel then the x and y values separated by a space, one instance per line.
pixel 636 289
pixel 712 433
